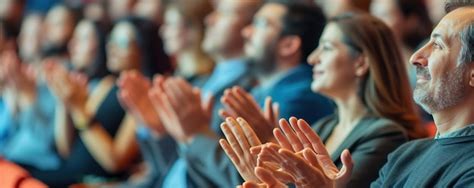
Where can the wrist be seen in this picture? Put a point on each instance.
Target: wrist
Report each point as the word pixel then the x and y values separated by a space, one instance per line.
pixel 81 119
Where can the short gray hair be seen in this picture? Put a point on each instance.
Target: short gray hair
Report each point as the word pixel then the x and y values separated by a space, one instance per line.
pixel 466 54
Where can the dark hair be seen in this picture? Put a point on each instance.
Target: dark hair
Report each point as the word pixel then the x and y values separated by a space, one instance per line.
pixel 418 9
pixel 60 49
pixel 153 58
pixel 303 20
pixel 98 68
pixel 384 90
pixel 8 30
pixel 451 5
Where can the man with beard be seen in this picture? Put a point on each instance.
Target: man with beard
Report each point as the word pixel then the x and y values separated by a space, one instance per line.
pixel 277 43
pixel 445 88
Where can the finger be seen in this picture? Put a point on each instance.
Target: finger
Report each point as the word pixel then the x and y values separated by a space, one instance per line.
pixel 228 109
pixel 315 140
pixel 225 114
pixel 277 172
pixel 276 111
pixel 175 93
pixel 172 97
pixel 255 150
pixel 249 184
pixel 240 97
pixel 248 97
pixel 268 110
pixel 267 177
pixel 235 106
pixel 239 134
pixel 281 138
pixel 269 154
pixel 229 151
pixel 209 104
pixel 249 132
pixel 294 163
pixel 312 158
pixel 302 137
pixel 291 136
pixel 158 81
pixel 231 139
pixel 347 167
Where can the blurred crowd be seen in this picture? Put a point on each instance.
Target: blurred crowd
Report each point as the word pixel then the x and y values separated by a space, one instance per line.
pixel 184 93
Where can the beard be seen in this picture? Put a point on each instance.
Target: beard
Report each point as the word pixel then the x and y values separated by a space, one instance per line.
pixel 265 63
pixel 449 92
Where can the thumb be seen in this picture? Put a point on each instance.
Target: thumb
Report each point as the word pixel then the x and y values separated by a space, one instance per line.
pixel 345 173
pixel 209 104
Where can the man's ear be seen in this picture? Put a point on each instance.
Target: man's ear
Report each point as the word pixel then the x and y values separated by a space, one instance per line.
pixel 361 65
pixel 289 45
pixel 471 75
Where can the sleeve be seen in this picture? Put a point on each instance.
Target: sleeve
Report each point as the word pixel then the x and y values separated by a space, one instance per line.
pixel 371 154
pixel 160 154
pixel 466 180
pixel 208 165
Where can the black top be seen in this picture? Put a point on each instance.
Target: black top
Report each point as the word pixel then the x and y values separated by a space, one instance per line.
pixel 369 143
pixel 80 161
pixel 447 162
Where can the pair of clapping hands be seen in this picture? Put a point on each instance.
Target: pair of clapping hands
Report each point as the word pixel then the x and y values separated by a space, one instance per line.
pixel 299 158
pixel 167 105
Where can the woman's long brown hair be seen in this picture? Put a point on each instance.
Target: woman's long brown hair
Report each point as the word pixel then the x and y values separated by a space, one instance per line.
pixel 385 89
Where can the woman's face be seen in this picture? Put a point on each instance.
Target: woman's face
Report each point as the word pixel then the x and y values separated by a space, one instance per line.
pixel 29 38
pixel 122 49
pixel 174 32
pixel 59 25
pixel 333 65
pixel 83 46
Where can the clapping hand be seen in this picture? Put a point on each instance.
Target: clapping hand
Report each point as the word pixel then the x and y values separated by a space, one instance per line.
pixel 239 103
pixel 304 157
pixel 180 108
pixel 133 95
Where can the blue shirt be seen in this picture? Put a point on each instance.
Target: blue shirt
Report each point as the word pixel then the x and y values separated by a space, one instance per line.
pixel 33 142
pixel 7 125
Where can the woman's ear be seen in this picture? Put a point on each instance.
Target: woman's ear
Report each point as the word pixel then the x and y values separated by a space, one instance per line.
pixel 289 45
pixel 361 65
pixel 471 76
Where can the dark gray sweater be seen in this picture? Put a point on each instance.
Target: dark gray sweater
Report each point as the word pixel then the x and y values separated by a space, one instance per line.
pixel 447 162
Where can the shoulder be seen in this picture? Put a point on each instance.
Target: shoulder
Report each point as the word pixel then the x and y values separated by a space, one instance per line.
pixel 412 148
pixel 379 126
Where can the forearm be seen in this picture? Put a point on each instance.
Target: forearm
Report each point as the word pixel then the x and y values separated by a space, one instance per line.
pixel 113 154
pixel 63 131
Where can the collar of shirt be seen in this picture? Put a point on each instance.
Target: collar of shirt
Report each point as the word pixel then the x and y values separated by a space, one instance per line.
pixel 224 74
pixel 466 131
pixel 461 135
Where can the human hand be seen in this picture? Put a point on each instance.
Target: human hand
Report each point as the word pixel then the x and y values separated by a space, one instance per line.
pixel 19 78
pixel 314 162
pixel 133 95
pixel 181 109
pixel 239 103
pixel 70 88
pixel 266 177
pixel 239 139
